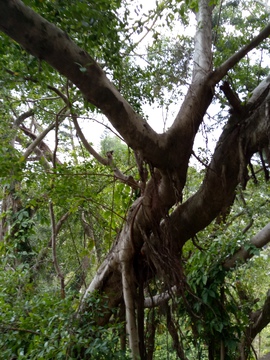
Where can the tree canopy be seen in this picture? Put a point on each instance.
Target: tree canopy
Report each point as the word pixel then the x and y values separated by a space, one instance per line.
pixel 147 243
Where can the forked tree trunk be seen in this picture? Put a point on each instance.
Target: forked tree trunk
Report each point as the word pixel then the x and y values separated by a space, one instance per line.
pixel 152 233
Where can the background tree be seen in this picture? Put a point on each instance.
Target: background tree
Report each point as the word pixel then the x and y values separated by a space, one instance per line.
pixel 155 243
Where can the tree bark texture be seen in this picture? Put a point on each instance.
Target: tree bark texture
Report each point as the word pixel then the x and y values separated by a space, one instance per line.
pixel 151 233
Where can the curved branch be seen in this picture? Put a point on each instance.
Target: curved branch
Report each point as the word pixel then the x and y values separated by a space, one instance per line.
pixel 23 116
pixel 60 94
pixel 43 149
pixel 129 180
pixel 86 144
pixel 45 41
pixel 40 137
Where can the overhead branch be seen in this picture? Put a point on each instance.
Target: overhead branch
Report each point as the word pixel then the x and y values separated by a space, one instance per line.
pixel 23 116
pixel 89 148
pixel 40 155
pixel 180 136
pixel 129 180
pixel 44 149
pixel 47 42
pixel 223 69
pixel 18 121
pixel 40 137
pixel 60 94
pixel 50 87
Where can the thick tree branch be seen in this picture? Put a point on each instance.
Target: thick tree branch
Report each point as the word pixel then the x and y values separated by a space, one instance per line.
pixel 203 41
pixel 180 137
pixel 222 175
pixel 22 117
pixel 45 41
pixel 259 93
pixel 217 191
pixel 159 299
pixel 261 239
pixel 262 317
pixel 232 97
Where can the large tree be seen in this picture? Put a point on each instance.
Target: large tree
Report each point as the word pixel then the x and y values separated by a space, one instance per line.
pixel 150 264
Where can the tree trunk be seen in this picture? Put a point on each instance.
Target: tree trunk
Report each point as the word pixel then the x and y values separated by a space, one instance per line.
pixel 158 224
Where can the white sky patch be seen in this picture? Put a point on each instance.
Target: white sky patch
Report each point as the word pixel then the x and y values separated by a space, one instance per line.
pixel 159 118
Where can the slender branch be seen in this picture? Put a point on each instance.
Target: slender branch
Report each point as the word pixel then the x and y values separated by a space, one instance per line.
pixel 59 93
pixel 18 121
pixel 50 87
pixel 39 138
pixel 43 253
pixel 55 261
pixel 129 180
pixel 43 149
pixel 12 328
pixel 87 145
pixel 222 70
pixel 149 28
pixel 56 139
